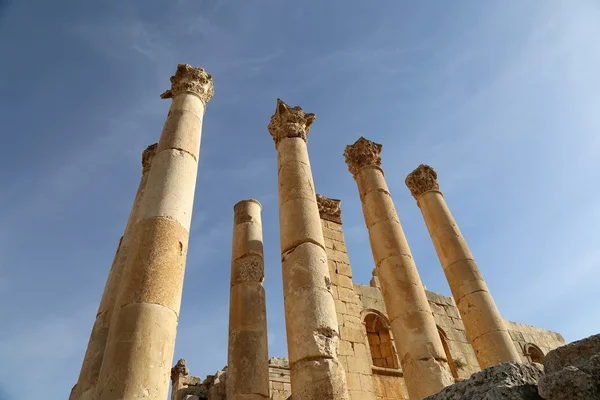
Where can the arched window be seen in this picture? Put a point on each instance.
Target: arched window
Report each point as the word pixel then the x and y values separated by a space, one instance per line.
pixel 380 341
pixel 534 353
pixel 451 362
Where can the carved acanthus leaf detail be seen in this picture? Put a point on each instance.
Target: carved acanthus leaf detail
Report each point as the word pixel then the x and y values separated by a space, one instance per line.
pixel 193 80
pixel 421 180
pixel 289 122
pixel 361 154
pixel 329 209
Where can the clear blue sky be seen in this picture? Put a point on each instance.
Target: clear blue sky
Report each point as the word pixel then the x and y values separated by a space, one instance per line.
pixel 502 98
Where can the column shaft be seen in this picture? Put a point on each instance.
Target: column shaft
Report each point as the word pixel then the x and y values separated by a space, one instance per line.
pixel 310 315
pixel 92 361
pixel 420 349
pixel 248 355
pixel 142 336
pixel 484 324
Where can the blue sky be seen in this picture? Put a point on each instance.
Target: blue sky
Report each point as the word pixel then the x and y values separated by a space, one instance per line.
pixel 500 97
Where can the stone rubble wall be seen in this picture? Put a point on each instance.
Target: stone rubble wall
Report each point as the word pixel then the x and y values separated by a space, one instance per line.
pixel 447 318
pixel 523 334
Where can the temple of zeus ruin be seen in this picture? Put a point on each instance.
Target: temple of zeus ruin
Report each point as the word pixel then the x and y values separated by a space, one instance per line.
pixel 390 339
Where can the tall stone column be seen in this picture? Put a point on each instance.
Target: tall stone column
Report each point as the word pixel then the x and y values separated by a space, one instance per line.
pixel 141 342
pixel 92 361
pixel 484 324
pixel 420 349
pixel 310 315
pixel 248 354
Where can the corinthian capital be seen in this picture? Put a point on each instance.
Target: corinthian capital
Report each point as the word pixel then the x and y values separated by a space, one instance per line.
pixel 147 156
pixel 361 154
pixel 191 80
pixel 421 180
pixel 329 209
pixel 289 122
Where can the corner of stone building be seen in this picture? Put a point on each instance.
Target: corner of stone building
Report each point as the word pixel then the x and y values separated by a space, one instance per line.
pixel 353 352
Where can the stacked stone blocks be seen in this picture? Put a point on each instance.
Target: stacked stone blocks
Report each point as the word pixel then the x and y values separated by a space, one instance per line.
pixel 353 352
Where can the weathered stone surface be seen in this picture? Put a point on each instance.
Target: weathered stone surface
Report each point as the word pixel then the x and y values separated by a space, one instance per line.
pixel 485 327
pixel 310 315
pixel 280 362
pixel 506 381
pixel 573 371
pixel 419 346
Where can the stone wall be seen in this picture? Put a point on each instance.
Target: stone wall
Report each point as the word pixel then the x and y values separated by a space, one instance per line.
pixel 371 364
pixel 453 331
pixel 354 304
pixel 279 379
pixel 353 351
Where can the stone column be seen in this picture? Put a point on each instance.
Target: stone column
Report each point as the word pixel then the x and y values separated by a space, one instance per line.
pixel 484 324
pixel 248 354
pixel 141 342
pixel 419 346
pixel 311 323
pixel 92 361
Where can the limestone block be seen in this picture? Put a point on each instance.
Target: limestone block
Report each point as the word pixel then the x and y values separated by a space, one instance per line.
pixel 319 379
pixel 305 267
pixel 139 327
pixel 157 266
pixel 573 371
pixel 378 206
pixel 179 132
pixel 370 179
pixel 292 151
pixel 333 234
pixel 299 223
pixel 506 381
pixel 303 343
pixel 170 189
pixel 289 175
pixel 344 269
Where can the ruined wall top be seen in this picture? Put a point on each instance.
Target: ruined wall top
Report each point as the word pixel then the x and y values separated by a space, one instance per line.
pixel 329 209
pixel 421 180
pixel 180 369
pixel 192 80
pixel 289 122
pixel 361 154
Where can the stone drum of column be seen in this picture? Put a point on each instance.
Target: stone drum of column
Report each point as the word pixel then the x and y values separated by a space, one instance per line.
pixel 420 349
pixel 310 315
pixel 141 342
pixel 92 361
pixel 484 325
pixel 248 355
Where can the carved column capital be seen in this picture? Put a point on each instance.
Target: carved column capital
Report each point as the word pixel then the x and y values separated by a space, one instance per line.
pixel 191 80
pixel 421 180
pixel 329 209
pixel 289 122
pixel 361 154
pixel 179 370
pixel 147 156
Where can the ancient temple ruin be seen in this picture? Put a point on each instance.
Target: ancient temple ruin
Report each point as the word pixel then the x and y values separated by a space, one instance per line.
pixel 390 340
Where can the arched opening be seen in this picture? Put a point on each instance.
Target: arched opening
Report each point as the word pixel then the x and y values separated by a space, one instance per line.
pixel 534 353
pixel 451 362
pixel 380 342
